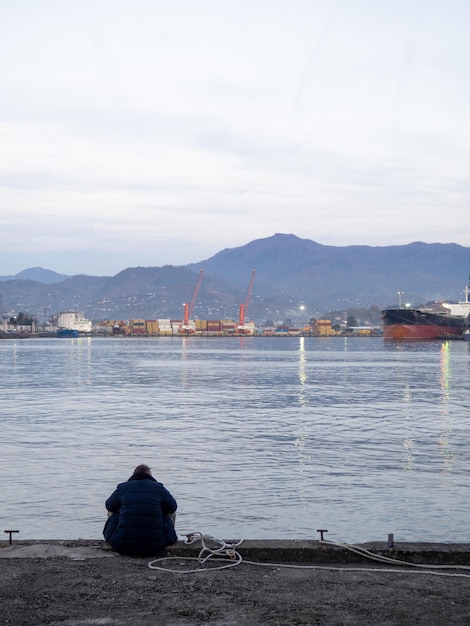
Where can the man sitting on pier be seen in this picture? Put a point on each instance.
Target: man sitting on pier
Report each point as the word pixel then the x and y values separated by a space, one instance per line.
pixel 142 515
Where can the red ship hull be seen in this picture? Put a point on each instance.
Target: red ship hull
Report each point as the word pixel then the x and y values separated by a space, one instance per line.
pixel 410 324
pixel 402 331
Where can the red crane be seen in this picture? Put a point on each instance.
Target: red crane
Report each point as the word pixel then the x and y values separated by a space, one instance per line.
pixel 244 306
pixel 188 308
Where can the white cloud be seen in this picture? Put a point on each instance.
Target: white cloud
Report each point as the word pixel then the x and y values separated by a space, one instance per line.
pixel 163 132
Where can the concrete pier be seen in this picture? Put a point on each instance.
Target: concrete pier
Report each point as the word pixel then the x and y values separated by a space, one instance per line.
pixel 83 582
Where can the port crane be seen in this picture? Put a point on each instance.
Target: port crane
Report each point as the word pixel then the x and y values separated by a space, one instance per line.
pixel 188 308
pixel 244 306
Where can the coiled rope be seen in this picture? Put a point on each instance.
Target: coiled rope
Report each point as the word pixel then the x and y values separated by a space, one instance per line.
pixel 222 551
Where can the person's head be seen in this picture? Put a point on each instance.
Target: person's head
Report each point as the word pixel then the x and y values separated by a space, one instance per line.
pixel 143 469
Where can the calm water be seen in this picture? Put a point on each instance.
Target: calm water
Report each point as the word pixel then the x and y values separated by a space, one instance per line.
pixel 255 437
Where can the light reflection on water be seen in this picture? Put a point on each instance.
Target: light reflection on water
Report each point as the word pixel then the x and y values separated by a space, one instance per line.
pixel 256 438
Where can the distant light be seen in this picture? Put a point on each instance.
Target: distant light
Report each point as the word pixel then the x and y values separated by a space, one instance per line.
pixel 407 305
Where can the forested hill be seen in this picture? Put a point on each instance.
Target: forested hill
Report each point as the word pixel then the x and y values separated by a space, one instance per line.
pixel 290 272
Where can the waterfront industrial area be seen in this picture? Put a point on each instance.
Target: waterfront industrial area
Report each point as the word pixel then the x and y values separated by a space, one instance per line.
pixel 72 324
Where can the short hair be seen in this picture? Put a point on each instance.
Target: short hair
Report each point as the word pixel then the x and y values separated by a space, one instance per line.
pixel 142 469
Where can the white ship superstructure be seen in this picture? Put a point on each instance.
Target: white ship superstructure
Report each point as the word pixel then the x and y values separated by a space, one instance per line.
pixel 460 309
pixel 72 320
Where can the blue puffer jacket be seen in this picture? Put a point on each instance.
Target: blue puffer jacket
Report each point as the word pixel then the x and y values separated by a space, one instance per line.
pixel 141 523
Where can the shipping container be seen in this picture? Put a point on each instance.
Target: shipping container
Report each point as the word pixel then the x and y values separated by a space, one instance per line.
pixel 137 323
pixel 152 327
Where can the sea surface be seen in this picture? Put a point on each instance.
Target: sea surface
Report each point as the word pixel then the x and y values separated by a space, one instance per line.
pixel 255 437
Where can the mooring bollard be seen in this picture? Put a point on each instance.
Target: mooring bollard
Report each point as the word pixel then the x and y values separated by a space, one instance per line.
pixel 11 532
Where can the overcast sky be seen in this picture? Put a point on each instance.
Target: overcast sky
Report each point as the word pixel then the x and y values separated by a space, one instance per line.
pixel 158 132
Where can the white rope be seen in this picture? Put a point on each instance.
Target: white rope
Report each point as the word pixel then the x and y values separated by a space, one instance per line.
pixel 223 551
pixel 369 570
pixel 385 559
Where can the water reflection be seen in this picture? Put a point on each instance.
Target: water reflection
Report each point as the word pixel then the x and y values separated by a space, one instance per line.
pixel 257 438
pixel 447 454
pixel 408 441
pixel 186 372
pixel 80 363
pixel 302 438
pixel 302 371
pixel 445 371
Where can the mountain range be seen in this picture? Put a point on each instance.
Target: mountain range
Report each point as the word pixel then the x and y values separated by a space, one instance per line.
pixel 290 273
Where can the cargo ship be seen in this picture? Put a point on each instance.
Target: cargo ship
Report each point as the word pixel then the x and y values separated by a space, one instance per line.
pixel 411 323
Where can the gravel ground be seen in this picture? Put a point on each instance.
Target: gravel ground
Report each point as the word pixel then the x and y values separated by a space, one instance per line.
pixel 87 584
